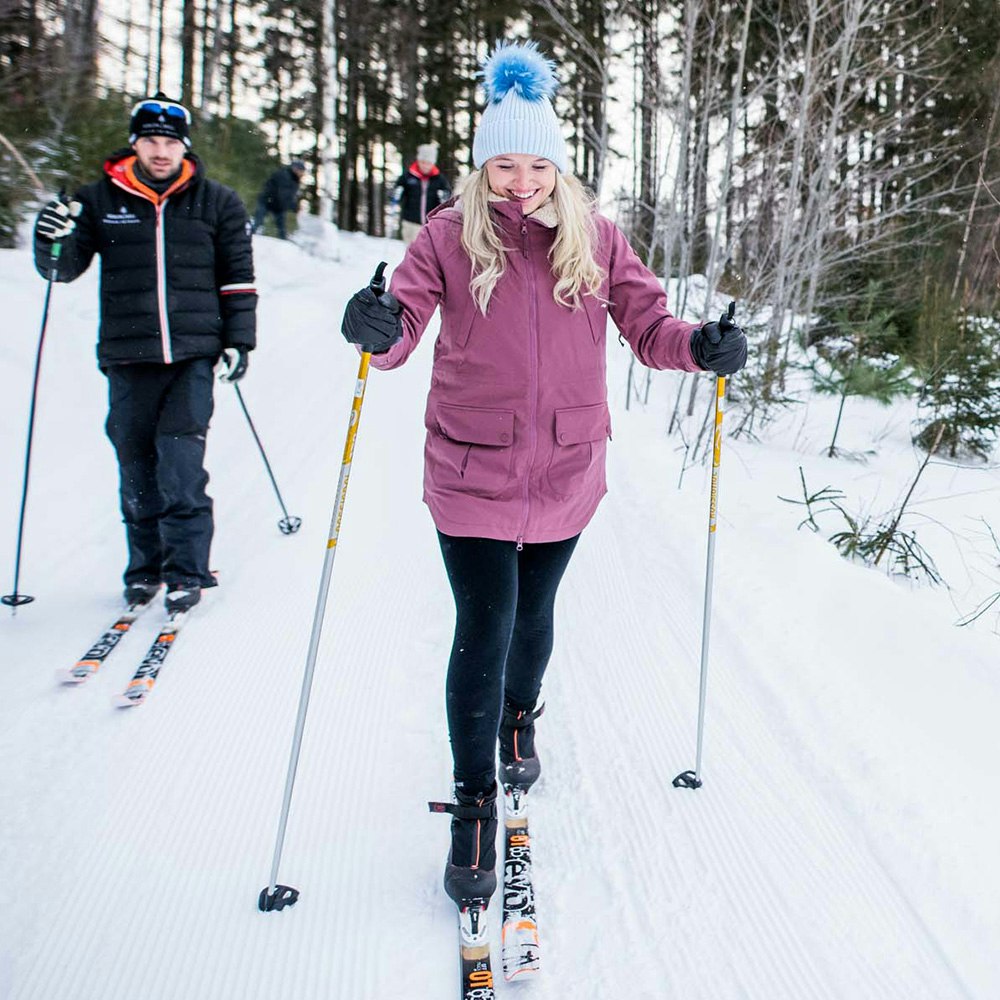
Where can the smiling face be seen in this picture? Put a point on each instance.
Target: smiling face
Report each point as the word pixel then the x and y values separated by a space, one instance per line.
pixel 159 155
pixel 520 177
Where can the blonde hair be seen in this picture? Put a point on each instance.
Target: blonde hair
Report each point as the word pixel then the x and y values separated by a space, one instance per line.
pixel 572 253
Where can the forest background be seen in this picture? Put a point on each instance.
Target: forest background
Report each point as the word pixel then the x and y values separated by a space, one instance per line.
pixel 831 164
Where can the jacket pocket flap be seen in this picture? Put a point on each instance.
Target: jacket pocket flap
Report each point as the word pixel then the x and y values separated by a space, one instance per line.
pixel 583 423
pixel 474 425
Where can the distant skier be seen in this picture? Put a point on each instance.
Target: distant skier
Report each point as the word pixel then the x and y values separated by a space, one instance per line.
pixel 525 272
pixel 177 292
pixel 420 190
pixel 279 195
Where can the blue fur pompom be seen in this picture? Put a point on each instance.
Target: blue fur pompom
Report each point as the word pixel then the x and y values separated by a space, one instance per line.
pixel 518 67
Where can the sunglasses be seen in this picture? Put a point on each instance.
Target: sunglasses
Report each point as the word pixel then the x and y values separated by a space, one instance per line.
pixel 169 109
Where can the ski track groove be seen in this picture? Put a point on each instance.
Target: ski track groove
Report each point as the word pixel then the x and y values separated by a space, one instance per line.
pixel 752 726
pixel 772 918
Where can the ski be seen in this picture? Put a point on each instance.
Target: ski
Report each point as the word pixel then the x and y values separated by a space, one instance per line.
pixel 145 676
pixel 91 661
pixel 519 937
pixel 474 951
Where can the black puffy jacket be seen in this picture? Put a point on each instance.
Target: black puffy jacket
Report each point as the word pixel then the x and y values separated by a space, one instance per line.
pixel 177 276
pixel 419 194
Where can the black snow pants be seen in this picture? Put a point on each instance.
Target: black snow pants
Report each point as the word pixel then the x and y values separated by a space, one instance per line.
pixel 157 421
pixel 504 603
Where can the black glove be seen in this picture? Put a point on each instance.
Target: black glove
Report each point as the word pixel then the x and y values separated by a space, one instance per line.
pixel 234 362
pixel 58 219
pixel 720 347
pixel 371 318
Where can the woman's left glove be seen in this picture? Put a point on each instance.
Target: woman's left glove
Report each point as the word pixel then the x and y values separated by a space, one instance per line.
pixel 372 317
pixel 720 347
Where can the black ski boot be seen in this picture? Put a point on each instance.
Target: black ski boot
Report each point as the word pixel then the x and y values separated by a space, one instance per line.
pixel 181 598
pixel 141 592
pixel 470 873
pixel 519 764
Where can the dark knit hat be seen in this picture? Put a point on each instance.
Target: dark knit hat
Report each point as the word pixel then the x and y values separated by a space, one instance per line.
pixel 159 115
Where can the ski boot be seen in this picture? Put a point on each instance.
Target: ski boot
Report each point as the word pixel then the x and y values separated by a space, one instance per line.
pixel 181 598
pixel 519 763
pixel 470 873
pixel 141 592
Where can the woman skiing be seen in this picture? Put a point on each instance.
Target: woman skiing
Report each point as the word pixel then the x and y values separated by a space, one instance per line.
pixel 525 273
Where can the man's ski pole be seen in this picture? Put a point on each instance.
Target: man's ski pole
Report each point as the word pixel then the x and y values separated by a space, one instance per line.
pixel 288 525
pixel 274 896
pixel 692 779
pixel 16 599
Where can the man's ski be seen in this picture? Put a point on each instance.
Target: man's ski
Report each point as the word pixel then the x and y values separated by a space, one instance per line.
pixel 91 661
pixel 520 946
pixel 474 952
pixel 145 676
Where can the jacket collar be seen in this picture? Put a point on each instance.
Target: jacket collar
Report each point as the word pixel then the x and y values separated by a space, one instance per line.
pixel 509 213
pixel 120 169
pixel 545 213
pixel 417 172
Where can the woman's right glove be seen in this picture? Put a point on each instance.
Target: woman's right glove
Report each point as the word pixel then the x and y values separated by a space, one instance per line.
pixel 372 317
pixel 720 347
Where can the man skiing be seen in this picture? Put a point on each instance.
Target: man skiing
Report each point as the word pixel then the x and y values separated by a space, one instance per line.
pixel 177 294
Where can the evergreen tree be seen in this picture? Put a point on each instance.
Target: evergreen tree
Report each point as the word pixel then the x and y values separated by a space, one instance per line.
pixel 960 394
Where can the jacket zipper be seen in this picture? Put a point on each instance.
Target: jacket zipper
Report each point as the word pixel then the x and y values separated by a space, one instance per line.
pixel 532 380
pixel 161 283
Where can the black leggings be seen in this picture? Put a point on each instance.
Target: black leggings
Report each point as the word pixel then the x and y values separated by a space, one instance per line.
pixel 503 639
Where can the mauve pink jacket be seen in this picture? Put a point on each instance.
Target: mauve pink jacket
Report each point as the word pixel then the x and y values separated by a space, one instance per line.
pixel 517 415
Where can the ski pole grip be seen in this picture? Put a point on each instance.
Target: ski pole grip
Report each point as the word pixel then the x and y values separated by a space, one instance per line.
pixel 728 320
pixel 377 284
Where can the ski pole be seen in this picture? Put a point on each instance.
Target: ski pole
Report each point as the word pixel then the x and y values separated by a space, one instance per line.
pixel 288 525
pixel 16 599
pixel 692 779
pixel 275 896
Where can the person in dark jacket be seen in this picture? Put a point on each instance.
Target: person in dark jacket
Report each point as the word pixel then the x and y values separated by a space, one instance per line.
pixel 177 295
pixel 280 194
pixel 420 190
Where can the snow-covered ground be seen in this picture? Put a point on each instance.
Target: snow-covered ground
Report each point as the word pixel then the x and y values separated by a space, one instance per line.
pixel 843 847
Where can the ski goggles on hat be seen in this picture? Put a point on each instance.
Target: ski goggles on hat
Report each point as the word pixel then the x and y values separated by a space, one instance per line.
pixel 168 108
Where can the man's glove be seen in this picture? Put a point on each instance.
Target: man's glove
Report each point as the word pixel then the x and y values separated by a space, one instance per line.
pixel 234 363
pixel 58 219
pixel 720 347
pixel 371 318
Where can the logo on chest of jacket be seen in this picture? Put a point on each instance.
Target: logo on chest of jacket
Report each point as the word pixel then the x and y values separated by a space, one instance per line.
pixel 123 217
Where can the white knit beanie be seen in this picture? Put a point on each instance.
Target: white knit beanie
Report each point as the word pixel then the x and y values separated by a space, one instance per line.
pixel 519 117
pixel 427 153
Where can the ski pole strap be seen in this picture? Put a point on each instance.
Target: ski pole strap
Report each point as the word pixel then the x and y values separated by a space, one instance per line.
pixel 465 812
pixel 521 719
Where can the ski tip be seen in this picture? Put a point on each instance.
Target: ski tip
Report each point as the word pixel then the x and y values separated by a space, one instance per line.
pixel 70 676
pixel 128 700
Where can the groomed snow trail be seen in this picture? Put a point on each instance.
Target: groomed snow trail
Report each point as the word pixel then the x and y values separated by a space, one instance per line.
pixel 135 842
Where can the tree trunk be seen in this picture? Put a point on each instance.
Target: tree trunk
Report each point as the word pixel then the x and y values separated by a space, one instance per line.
pixel 189 33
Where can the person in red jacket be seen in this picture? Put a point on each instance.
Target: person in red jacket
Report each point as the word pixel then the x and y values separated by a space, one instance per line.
pixel 525 273
pixel 418 191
